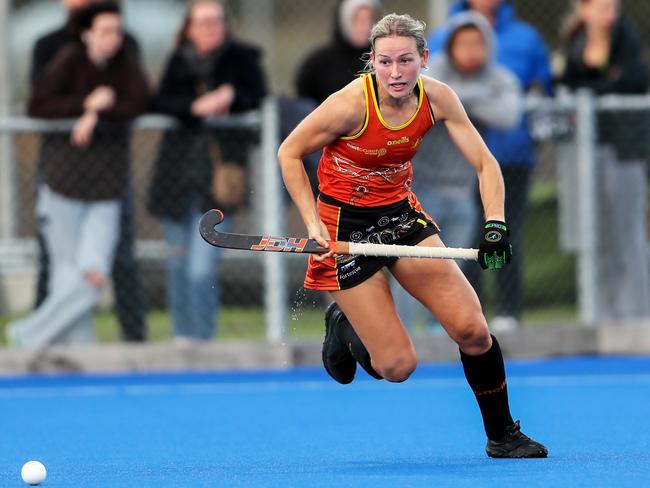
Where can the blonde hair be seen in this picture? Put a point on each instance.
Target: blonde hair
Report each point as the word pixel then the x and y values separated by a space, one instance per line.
pixel 398 25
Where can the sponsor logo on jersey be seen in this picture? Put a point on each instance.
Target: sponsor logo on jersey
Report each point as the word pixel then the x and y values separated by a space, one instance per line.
pixel 417 143
pixel 395 142
pixel 369 152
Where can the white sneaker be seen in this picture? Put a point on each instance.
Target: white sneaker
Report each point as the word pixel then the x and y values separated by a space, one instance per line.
pixel 504 323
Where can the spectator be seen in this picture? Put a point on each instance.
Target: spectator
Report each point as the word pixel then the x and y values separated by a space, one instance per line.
pixel 331 67
pixel 604 54
pixel 129 298
pixel 491 94
pixel 85 173
pixel 209 74
pixel 520 49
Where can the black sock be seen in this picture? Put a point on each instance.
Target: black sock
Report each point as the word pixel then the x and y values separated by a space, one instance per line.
pixel 358 350
pixel 486 376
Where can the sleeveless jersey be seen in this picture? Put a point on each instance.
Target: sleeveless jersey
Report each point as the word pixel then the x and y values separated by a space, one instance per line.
pixel 373 167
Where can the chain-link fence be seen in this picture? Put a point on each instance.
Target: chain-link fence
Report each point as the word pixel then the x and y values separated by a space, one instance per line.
pixel 560 255
pixel 141 273
pixel 562 197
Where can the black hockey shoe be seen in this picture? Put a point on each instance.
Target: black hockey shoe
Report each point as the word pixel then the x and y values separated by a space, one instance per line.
pixel 515 444
pixel 337 358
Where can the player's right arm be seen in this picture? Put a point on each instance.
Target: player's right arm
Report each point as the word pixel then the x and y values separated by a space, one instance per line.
pixel 341 114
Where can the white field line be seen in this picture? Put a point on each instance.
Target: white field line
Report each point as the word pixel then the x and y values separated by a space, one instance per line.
pixel 310 386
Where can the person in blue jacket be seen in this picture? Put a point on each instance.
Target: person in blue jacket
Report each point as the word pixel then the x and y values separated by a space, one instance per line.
pixel 521 49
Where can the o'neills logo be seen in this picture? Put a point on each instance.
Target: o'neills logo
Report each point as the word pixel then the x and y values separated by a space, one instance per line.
pixel 395 142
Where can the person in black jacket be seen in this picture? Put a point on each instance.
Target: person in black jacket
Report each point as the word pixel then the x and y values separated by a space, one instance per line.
pixel 604 54
pixel 209 74
pixel 329 68
pixel 129 297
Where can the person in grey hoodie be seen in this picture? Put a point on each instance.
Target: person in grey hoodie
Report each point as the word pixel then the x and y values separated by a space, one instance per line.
pixel 492 96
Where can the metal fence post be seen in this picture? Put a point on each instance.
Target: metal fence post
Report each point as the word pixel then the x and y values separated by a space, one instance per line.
pixel 588 208
pixel 438 12
pixel 275 276
pixel 257 20
pixel 7 183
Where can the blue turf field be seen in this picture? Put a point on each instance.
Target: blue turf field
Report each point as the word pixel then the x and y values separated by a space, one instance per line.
pixel 299 428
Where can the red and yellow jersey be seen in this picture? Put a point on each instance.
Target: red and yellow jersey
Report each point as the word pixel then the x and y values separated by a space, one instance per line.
pixel 373 167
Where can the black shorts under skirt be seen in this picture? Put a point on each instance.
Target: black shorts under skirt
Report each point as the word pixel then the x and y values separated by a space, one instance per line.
pixel 403 223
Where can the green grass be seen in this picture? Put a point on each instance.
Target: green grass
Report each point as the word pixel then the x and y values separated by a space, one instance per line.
pixel 550 315
pixel 248 324
pixel 542 192
pixel 234 324
pixel 549 273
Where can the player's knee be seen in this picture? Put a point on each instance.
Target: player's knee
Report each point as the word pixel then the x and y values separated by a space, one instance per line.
pixel 398 368
pixel 473 335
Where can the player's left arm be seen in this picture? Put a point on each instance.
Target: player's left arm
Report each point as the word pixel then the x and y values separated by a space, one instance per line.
pixel 495 248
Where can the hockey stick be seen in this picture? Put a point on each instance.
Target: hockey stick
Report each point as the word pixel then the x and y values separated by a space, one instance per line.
pixel 303 245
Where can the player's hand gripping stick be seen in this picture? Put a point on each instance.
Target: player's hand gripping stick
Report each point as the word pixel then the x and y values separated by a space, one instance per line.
pixel 495 250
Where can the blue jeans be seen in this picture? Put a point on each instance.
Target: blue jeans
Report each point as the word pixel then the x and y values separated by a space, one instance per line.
pixel 192 284
pixel 455 214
